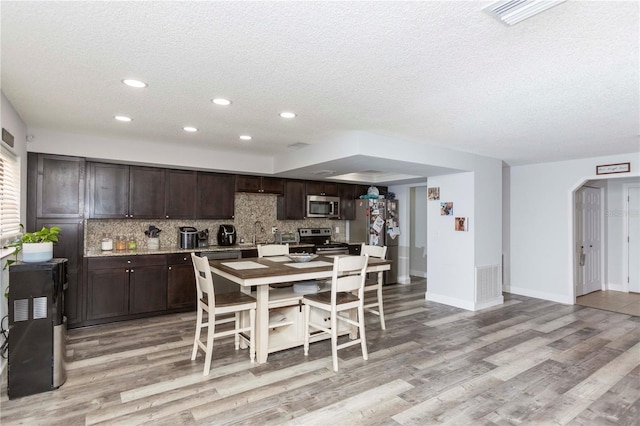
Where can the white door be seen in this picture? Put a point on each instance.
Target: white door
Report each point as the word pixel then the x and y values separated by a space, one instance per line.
pixel 589 244
pixel 633 232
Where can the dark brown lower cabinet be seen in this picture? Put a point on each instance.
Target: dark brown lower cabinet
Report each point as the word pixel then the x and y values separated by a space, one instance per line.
pixel 125 285
pixel 181 286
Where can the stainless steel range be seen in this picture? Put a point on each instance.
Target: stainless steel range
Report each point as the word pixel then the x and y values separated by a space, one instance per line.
pixel 321 237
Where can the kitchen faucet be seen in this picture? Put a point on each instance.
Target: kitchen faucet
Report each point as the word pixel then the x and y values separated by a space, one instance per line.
pixel 254 230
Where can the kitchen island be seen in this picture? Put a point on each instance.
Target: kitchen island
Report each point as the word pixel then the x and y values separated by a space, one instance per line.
pixel 279 310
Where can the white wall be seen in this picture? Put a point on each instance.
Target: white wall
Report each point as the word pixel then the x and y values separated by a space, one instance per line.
pixel 450 253
pixel 418 229
pixel 541 214
pixel 615 223
pixel 403 195
pixel 146 152
pixel 11 121
pixel 506 227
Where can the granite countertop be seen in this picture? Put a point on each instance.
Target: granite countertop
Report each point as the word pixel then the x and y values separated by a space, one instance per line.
pixel 96 252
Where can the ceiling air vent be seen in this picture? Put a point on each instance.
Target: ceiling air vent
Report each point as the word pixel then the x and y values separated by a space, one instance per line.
pixel 510 12
pixel 297 145
pixel 323 172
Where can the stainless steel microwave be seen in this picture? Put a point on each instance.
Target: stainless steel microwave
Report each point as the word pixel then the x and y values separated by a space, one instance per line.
pixel 322 206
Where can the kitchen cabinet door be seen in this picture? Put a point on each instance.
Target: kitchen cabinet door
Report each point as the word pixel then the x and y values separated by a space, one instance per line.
pixel 70 245
pixel 108 191
pixel 271 185
pixel 60 185
pixel 259 184
pixel 322 188
pixel 107 293
pixel 180 194
pixel 291 206
pixel 347 201
pixel 215 196
pixel 148 288
pixel 181 285
pixel 146 192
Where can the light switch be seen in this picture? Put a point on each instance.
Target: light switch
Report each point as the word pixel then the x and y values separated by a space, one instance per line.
pixel 337 229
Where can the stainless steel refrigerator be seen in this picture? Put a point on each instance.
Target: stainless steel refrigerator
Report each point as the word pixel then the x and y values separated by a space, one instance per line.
pixel 376 223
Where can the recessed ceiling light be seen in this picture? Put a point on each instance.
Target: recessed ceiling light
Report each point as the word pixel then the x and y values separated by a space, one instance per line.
pixel 123 118
pixel 245 137
pixel 287 114
pixel 221 101
pixel 189 129
pixel 134 83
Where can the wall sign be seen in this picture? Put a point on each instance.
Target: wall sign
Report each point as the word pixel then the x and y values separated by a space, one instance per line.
pixel 606 169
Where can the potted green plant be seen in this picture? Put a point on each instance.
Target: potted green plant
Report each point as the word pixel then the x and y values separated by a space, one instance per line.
pixel 35 246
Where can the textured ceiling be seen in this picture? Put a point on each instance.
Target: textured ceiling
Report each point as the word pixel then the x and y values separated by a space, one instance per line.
pixel 561 85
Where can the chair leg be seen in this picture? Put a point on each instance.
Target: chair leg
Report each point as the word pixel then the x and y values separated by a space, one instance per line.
pixel 252 337
pixel 307 317
pixel 380 308
pixel 209 352
pixel 334 340
pixel 197 335
pixel 363 339
pixel 237 334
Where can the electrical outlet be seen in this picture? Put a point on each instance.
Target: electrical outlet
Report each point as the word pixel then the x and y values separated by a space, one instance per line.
pixel 337 229
pixel 274 229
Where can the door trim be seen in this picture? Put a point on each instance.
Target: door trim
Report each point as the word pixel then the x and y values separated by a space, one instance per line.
pixel 571 237
pixel 625 249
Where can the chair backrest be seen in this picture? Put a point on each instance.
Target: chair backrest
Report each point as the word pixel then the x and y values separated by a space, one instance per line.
pixel 266 250
pixel 373 251
pixel 349 273
pixel 204 278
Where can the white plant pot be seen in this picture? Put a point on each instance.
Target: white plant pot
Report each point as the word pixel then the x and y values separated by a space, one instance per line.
pixel 37 252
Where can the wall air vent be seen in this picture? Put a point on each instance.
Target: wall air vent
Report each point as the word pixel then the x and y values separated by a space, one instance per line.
pixel 510 12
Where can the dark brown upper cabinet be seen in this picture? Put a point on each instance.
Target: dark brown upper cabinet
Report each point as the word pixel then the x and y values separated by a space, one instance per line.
pixel 215 196
pixel 322 188
pixel 180 194
pixel 59 185
pixel 291 206
pixel 260 184
pixel 146 192
pixel 347 201
pixel 119 191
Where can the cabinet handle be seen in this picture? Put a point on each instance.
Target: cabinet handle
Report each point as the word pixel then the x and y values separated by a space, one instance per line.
pixel 169 267
pixel 184 258
pixel 131 271
pixel 126 270
pixel 166 217
pixel 128 261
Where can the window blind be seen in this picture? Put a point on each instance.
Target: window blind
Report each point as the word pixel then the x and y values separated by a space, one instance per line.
pixel 9 196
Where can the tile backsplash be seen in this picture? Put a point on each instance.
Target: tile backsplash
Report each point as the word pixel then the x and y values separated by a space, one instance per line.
pixel 249 208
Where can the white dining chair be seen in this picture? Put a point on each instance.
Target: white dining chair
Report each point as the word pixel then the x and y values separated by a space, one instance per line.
pixel 226 303
pixel 266 250
pixel 375 283
pixel 346 295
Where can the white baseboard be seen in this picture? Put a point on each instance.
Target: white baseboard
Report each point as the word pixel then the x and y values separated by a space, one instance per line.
pixel 416 273
pixel 552 297
pixel 617 287
pixel 404 279
pixel 450 301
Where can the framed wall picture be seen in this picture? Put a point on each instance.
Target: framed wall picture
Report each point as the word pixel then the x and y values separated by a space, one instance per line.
pixel 461 224
pixel 446 208
pixel 606 169
pixel 433 193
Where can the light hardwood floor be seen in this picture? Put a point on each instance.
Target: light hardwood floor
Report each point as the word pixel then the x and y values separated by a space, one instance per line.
pixel 527 361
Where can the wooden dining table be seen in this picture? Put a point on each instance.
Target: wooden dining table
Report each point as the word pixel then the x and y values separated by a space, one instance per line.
pixel 263 272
